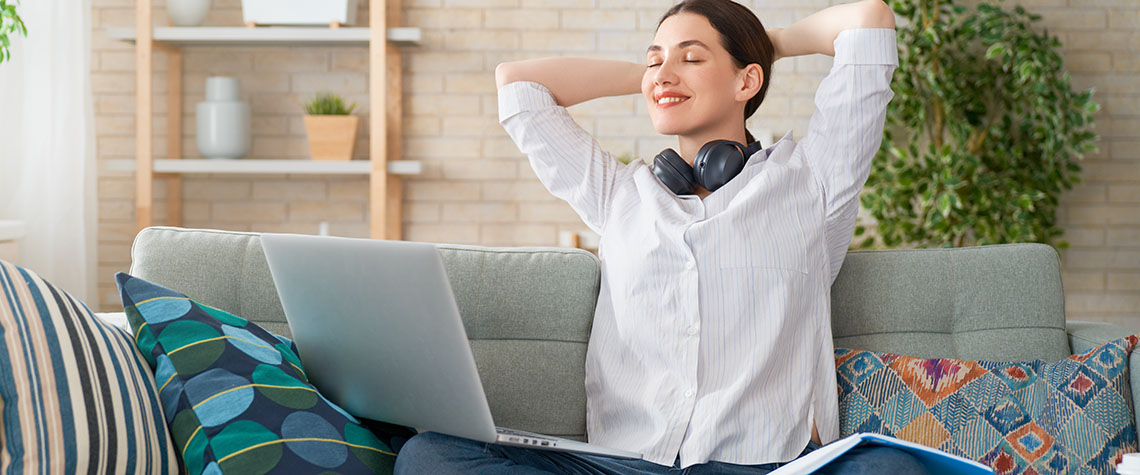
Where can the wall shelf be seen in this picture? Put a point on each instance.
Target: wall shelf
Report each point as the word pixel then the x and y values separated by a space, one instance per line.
pixel 385 85
pixel 268 36
pixel 267 167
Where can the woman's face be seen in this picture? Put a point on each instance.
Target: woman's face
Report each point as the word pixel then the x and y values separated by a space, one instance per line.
pixel 690 81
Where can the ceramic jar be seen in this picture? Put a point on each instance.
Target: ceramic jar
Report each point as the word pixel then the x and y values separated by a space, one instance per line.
pixel 187 12
pixel 223 120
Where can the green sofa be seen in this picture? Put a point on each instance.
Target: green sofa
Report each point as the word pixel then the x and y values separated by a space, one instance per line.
pixel 527 311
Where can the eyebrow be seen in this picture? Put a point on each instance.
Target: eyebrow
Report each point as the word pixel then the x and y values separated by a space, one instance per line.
pixel 681 45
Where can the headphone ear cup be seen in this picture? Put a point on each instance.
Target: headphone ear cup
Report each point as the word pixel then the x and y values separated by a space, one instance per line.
pixel 673 172
pixel 718 162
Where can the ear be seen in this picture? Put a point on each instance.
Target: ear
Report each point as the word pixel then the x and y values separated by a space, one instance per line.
pixel 749 82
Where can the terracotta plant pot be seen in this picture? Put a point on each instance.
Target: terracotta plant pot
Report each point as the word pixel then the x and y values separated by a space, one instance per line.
pixel 331 137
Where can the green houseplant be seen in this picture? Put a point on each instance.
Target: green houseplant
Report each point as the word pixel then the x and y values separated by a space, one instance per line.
pixel 330 127
pixel 983 134
pixel 10 25
pixel 325 103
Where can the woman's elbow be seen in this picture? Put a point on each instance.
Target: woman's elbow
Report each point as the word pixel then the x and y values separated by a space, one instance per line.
pixel 878 15
pixel 504 74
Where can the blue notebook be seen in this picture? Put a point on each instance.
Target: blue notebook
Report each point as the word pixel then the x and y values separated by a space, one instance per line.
pixel 935 460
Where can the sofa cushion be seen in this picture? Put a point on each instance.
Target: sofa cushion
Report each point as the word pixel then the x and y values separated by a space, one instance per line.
pixel 76 395
pixel 1072 416
pixel 527 312
pixel 236 396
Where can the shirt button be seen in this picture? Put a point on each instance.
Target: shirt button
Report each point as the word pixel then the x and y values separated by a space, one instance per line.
pixel 690 264
pixel 692 330
pixel 689 393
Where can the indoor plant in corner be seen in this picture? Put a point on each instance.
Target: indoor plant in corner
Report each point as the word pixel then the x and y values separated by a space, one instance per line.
pixel 983 136
pixel 330 128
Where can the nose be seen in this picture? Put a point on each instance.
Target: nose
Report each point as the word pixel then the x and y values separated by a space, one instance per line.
pixel 664 74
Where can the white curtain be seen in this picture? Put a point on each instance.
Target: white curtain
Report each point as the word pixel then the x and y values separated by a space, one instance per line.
pixel 47 144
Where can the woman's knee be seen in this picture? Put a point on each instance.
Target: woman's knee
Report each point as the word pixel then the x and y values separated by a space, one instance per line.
pixel 426 443
pixel 876 460
pixel 899 461
pixel 426 451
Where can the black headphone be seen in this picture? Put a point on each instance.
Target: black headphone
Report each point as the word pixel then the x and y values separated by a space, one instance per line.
pixel 717 162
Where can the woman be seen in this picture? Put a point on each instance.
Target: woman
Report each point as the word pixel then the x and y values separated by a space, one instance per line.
pixel 711 342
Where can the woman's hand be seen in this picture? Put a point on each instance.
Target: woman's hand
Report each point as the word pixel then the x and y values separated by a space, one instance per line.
pixel 575 80
pixel 817 33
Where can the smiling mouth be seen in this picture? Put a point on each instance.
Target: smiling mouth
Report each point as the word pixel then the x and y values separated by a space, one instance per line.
pixel 670 101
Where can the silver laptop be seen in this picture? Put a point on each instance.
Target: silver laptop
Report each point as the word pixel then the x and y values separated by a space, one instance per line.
pixel 380 334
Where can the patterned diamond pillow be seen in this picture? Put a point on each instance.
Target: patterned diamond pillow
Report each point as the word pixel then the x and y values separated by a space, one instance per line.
pixel 236 396
pixel 75 394
pixel 1073 416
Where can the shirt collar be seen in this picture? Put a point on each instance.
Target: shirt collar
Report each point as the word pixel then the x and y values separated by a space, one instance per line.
pixel 757 158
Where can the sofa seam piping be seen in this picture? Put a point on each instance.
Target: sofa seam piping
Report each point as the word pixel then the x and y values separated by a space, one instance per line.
pixel 951 333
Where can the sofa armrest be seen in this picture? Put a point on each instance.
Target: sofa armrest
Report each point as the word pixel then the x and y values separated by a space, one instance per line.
pixel 118 319
pixel 1087 335
pixel 1084 336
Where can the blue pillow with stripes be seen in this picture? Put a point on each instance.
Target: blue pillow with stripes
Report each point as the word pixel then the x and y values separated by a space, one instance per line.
pixel 237 397
pixel 76 395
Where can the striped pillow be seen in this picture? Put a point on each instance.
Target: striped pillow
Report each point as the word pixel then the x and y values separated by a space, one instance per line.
pixel 77 396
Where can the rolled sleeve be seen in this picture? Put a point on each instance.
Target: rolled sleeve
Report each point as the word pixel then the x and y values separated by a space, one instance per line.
pixel 567 160
pixel 866 46
pixel 521 96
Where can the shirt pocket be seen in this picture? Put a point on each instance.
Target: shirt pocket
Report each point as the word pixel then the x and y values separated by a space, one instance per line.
pixel 778 248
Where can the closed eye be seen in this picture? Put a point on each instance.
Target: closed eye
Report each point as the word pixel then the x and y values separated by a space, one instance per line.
pixel 687 61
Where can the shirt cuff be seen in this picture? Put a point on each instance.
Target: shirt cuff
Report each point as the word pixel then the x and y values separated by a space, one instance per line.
pixel 522 96
pixel 866 46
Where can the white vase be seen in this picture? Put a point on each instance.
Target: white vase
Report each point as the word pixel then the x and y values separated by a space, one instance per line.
pixel 223 120
pixel 187 12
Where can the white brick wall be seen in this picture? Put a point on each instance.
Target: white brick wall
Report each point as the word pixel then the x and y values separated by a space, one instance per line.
pixel 477 188
pixel 1102 215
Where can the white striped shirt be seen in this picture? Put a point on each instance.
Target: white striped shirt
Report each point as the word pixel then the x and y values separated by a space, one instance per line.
pixel 712 339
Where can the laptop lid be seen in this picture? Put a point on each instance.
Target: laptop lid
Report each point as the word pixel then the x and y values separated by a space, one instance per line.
pixel 379 331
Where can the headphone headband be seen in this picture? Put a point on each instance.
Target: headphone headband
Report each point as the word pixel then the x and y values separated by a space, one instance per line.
pixel 752 148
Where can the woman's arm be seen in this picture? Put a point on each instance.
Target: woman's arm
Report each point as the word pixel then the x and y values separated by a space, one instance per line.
pixel 817 33
pixel 575 80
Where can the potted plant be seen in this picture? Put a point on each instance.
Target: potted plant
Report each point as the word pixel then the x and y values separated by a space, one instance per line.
pixel 983 136
pixel 331 130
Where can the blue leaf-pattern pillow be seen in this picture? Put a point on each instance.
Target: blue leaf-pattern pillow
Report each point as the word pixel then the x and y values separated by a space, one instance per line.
pixel 1072 416
pixel 236 397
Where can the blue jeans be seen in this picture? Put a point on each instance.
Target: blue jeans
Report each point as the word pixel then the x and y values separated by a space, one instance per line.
pixel 434 453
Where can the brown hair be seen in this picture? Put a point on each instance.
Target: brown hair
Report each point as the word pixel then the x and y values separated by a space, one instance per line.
pixel 742 34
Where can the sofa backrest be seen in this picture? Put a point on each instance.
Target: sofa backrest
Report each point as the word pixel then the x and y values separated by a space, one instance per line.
pixel 997 303
pixel 527 312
